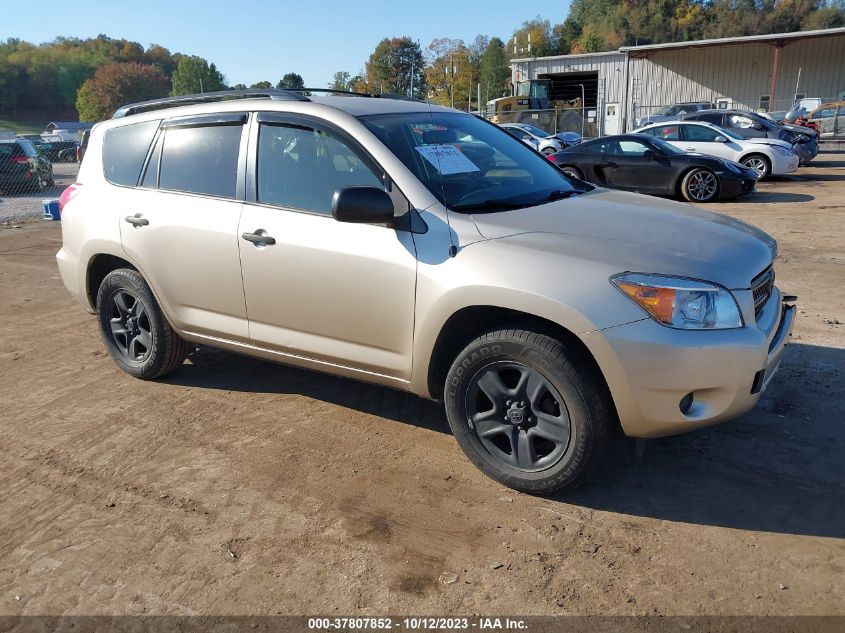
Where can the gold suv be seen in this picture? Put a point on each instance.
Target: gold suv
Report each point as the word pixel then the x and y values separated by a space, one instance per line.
pixel 424 249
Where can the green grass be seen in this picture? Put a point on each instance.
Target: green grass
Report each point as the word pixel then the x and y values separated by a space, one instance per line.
pixel 23 125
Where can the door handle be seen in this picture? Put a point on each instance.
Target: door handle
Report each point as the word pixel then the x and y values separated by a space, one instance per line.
pixel 689 149
pixel 259 238
pixel 137 220
pixel 609 164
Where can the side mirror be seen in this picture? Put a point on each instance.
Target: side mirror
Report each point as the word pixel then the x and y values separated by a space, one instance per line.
pixel 720 139
pixel 362 205
pixel 650 154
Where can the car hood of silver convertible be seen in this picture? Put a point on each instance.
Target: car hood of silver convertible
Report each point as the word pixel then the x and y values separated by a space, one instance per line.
pixel 638 233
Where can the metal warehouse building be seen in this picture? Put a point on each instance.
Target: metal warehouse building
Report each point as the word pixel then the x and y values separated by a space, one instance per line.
pixel 761 72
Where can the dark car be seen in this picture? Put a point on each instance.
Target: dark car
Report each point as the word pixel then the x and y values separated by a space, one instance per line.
pixel 23 168
pixel 747 124
pixel 58 151
pixel 637 162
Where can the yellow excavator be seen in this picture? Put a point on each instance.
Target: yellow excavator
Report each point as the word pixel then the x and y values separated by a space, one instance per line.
pixel 531 103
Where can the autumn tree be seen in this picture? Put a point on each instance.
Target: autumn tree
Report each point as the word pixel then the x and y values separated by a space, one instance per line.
pixel 397 66
pixel 451 75
pixel 291 81
pixel 194 75
pixel 262 85
pixel 117 84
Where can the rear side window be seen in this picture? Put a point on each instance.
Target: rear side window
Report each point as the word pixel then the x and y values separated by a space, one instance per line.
pixel 201 160
pixel 28 148
pixel 124 151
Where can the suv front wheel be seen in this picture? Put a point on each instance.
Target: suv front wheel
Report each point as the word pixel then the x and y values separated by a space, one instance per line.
pixel 134 330
pixel 527 411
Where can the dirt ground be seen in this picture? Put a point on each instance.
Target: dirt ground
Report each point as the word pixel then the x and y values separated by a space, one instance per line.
pixel 236 486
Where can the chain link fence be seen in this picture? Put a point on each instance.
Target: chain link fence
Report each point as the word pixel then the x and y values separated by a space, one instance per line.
pixel 583 121
pixel 38 159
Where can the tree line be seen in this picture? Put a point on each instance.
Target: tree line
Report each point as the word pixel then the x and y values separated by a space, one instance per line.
pixel 95 76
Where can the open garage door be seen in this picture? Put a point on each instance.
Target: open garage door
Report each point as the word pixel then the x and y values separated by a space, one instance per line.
pixel 568 86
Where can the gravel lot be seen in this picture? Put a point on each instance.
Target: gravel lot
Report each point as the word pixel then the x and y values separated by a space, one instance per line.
pixel 240 487
pixel 26 207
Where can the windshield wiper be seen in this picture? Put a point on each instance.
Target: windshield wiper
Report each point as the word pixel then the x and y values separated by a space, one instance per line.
pixel 489 205
pixel 558 194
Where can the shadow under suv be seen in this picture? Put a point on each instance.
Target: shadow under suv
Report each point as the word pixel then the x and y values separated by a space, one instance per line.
pixel 423 249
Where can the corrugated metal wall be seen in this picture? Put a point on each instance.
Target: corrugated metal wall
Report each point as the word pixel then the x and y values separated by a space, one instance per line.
pixel 741 73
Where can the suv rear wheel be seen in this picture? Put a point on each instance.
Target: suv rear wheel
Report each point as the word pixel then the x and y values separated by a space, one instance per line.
pixel 134 330
pixel 527 411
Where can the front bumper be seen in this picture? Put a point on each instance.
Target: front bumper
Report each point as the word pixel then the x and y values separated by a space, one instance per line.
pixel 731 186
pixel 650 368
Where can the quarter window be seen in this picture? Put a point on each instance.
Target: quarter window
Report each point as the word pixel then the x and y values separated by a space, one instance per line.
pixel 201 160
pixel 124 151
pixel 302 167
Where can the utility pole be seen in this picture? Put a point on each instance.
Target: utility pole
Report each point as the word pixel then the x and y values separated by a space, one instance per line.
pixel 452 85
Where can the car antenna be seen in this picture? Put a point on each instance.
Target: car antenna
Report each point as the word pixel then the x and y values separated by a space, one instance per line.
pixel 453 249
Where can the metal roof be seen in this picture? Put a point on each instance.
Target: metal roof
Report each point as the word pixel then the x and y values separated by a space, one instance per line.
pixel 576 56
pixel 778 39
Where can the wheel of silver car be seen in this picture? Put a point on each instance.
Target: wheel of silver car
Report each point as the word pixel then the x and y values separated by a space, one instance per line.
pixel 548 151
pixel 700 185
pixel 527 411
pixel 758 163
pixel 572 171
pixel 133 328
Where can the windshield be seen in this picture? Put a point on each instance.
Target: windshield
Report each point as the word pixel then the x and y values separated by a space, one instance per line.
pixel 732 135
pixel 668 148
pixel 535 131
pixel 469 164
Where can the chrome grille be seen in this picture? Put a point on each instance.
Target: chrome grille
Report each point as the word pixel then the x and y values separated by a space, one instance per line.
pixel 761 288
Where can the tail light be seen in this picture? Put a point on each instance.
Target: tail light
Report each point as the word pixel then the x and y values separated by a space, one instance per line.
pixel 68 195
pixel 551 157
pixel 20 160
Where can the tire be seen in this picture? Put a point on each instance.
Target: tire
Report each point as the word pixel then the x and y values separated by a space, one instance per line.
pixel 548 151
pixel 148 348
pixel 550 425
pixel 572 171
pixel 759 163
pixel 700 185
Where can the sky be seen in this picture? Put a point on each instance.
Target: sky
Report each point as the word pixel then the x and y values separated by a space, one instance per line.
pixel 257 40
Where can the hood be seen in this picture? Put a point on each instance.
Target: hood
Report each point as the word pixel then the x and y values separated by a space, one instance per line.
pixel 767 141
pixel 800 129
pixel 631 232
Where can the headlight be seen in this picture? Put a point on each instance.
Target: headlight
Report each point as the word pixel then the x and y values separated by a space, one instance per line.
pixel 687 304
pixel 783 151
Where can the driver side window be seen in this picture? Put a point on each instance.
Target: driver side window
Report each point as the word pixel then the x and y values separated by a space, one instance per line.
pixel 301 167
pixel 699 134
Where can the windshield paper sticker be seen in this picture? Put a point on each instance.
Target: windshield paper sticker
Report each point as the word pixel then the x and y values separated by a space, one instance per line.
pixel 447 159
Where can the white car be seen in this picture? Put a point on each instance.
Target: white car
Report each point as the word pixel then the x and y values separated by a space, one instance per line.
pixel 766 156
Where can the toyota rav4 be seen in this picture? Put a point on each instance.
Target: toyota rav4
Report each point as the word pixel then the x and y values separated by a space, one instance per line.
pixel 424 249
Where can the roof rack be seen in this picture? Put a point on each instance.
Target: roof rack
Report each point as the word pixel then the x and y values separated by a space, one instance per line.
pixel 207 97
pixel 274 94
